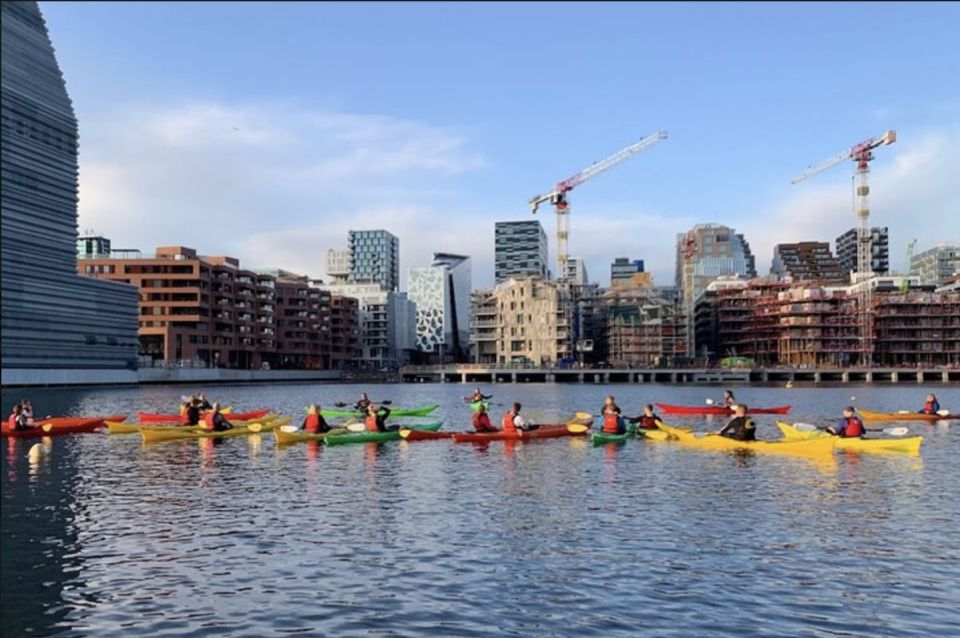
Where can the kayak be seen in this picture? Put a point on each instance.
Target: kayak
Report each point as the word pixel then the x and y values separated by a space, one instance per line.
pixel 602 438
pixel 151 417
pixel 903 416
pixel 124 427
pixel 909 444
pixel 723 443
pixel 543 432
pixel 667 408
pixel 408 434
pixel 154 433
pixel 421 411
pixel 61 426
pixel 475 405
pixel 377 437
pixel 300 436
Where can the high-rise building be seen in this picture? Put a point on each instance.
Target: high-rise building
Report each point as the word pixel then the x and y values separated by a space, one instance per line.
pixel 576 271
pixel 56 326
pixel 338 265
pixel 520 250
pixel 846 249
pixel 808 260
pixel 442 294
pixel 627 272
pixel 374 258
pixel 936 265
pixel 387 323
pixel 709 251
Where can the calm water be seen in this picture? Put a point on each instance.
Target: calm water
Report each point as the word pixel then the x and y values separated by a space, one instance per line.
pixel 107 537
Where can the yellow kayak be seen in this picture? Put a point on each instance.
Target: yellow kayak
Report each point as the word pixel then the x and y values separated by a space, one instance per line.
pixel 155 433
pixel 722 443
pixel 125 427
pixel 300 436
pixel 908 444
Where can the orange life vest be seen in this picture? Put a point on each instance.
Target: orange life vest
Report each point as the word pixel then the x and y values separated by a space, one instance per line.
pixel 312 424
pixel 11 423
pixel 507 423
pixel 928 407
pixel 207 421
pixel 371 423
pixel 611 423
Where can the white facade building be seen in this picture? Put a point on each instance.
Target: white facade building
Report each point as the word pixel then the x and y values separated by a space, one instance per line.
pixel 441 292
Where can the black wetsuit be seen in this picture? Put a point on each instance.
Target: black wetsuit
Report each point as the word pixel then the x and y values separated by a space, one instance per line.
pixel 382 426
pixel 220 423
pixel 740 428
pixel 193 415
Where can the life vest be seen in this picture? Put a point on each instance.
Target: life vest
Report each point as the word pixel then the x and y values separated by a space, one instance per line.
pixel 854 428
pixel 11 423
pixel 507 424
pixel 611 423
pixel 184 416
pixel 207 421
pixel 371 423
pixel 312 424
pixel 930 407
pixel 649 422
pixel 481 422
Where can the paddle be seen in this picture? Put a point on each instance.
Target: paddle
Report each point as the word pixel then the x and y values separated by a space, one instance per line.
pixel 943 412
pixel 356 427
pixel 289 429
pixel 255 427
pixel 895 431
pixel 47 427
pixel 577 428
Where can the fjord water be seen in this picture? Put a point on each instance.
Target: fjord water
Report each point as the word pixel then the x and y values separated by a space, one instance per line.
pixel 108 537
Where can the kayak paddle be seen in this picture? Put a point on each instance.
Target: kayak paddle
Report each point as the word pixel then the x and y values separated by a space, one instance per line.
pixel 255 427
pixel 47 427
pixel 577 428
pixel 289 428
pixel 356 427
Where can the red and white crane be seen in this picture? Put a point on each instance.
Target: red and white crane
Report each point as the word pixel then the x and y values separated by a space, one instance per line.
pixel 558 196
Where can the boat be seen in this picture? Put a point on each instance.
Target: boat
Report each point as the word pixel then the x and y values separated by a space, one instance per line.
pixel 668 408
pixel 908 444
pixel 424 410
pixel 550 431
pixel 299 436
pixel 377 437
pixel 602 438
pixel 60 426
pixel 151 417
pixel 125 427
pixel 408 434
pixel 869 415
pixel 723 443
pixel 154 433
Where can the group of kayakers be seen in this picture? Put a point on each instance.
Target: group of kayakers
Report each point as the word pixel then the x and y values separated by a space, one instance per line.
pixel 615 423
pixel 374 417
pixel 197 410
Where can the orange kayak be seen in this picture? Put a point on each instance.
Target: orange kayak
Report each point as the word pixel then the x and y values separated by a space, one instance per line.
pixel 61 426
pixel 903 416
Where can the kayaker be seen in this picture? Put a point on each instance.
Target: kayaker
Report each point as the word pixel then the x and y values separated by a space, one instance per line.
pixel 16 420
pixel 740 427
pixel 376 420
pixel 216 422
pixel 728 399
pixel 512 421
pixel 362 404
pixel 203 403
pixel 481 420
pixel 191 413
pixel 613 423
pixel 609 405
pixel 315 423
pixel 850 426
pixel 478 396
pixel 931 406
pixel 649 420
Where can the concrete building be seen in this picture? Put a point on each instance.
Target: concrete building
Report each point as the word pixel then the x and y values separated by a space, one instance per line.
pixel 629 273
pixel 387 323
pixel 846 249
pixel 520 321
pixel 642 329
pixel 57 327
pixel 576 271
pixel 441 292
pixel 709 251
pixel 374 258
pixel 936 265
pixel 338 265
pixel 520 250
pixel 808 261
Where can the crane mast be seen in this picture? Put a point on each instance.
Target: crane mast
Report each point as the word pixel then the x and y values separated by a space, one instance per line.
pixel 862 154
pixel 558 196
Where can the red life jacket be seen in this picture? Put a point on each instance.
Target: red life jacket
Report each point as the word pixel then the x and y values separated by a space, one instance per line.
pixel 928 407
pixel 649 422
pixel 11 423
pixel 312 424
pixel 207 421
pixel 371 423
pixel 854 428
pixel 481 422
pixel 185 417
pixel 611 423
pixel 507 424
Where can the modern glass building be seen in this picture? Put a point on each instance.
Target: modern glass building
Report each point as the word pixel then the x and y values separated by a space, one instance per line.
pixel 374 258
pixel 711 251
pixel 846 249
pixel 936 265
pixel 57 326
pixel 442 294
pixel 520 250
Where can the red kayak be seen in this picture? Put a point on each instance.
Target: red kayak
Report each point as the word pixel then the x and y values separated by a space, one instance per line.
pixel 148 417
pixel 543 432
pixel 62 425
pixel 667 408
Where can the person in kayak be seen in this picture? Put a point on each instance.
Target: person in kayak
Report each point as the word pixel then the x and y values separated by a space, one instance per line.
pixel 216 422
pixel 850 426
pixel 203 403
pixel 931 406
pixel 478 396
pixel 740 427
pixel 315 423
pixel 649 420
pixel 17 421
pixel 728 399
pixel 610 405
pixel 513 422
pixel 191 413
pixel 376 420
pixel 481 420
pixel 362 404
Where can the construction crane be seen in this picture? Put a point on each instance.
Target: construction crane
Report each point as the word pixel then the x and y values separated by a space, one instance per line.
pixel 558 196
pixel 862 154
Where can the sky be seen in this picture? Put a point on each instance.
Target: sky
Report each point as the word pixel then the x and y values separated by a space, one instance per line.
pixel 266 131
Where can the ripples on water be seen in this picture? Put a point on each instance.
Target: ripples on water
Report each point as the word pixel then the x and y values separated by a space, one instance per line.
pixel 107 537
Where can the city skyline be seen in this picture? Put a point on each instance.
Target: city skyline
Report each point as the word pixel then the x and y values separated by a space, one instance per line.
pixel 184 139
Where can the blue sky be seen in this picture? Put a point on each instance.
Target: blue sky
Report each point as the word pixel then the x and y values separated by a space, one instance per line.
pixel 265 131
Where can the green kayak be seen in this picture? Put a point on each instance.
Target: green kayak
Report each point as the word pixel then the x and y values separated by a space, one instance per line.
pixel 378 437
pixel 601 438
pixel 421 411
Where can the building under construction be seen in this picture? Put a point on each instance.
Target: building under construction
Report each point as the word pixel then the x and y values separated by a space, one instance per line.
pixel 643 329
